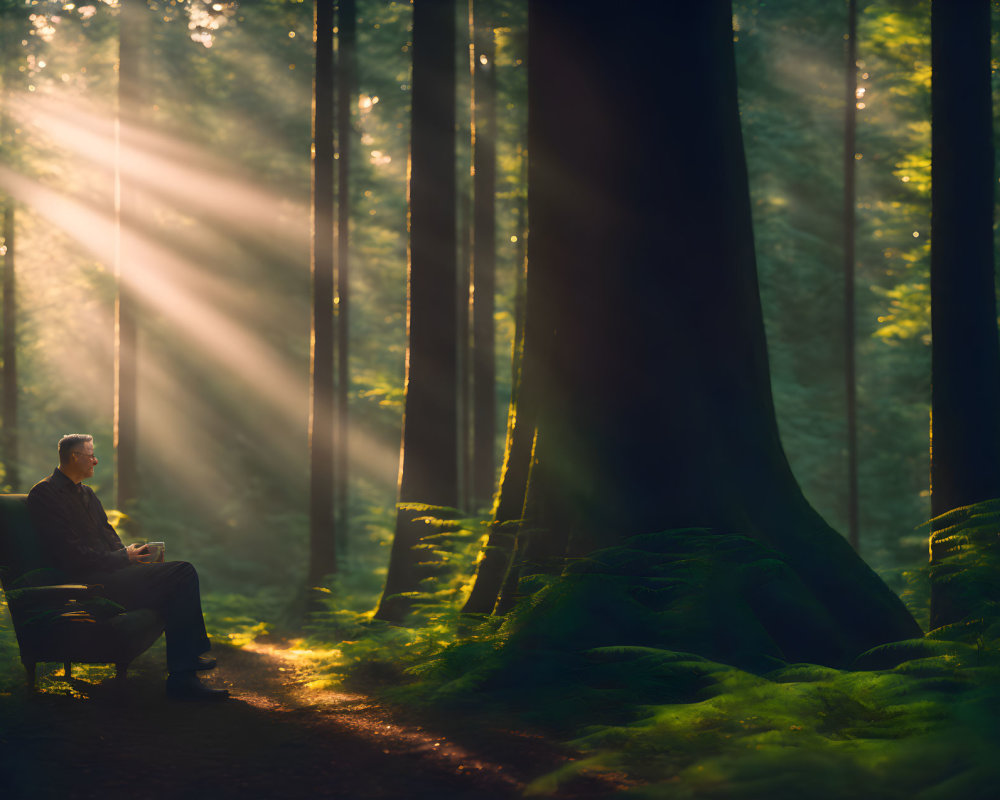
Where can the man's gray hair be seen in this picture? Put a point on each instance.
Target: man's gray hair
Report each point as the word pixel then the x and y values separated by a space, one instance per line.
pixel 70 442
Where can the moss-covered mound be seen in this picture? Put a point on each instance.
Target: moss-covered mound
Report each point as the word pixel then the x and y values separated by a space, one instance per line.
pixel 726 597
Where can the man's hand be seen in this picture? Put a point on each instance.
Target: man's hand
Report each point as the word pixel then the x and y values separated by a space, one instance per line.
pixel 139 553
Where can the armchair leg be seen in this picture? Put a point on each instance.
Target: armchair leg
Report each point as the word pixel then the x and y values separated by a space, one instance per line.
pixel 29 668
pixel 68 667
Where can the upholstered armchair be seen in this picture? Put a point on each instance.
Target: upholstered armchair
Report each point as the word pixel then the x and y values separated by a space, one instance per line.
pixel 59 621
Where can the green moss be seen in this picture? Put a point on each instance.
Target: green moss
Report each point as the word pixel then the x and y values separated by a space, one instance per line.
pixel 620 656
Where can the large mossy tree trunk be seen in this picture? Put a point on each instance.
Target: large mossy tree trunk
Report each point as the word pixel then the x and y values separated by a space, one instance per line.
pixel 645 353
pixel 429 454
pixel 965 437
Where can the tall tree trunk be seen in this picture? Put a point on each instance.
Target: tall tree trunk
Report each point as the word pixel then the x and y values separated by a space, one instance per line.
pixel 521 277
pixel 494 565
pixel 322 542
pixel 965 439
pixel 464 311
pixel 645 340
pixel 484 133
pixel 132 39
pixel 850 377
pixel 429 453
pixel 347 81
pixel 465 85
pixel 10 437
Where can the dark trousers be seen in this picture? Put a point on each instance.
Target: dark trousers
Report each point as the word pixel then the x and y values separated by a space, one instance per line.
pixel 171 589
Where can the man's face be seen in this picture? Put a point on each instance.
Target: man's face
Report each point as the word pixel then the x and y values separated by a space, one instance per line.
pixel 84 459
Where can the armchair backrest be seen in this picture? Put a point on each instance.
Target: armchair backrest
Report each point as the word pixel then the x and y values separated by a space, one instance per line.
pixel 23 561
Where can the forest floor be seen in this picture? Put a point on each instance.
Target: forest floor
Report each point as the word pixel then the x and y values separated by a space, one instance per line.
pixel 275 738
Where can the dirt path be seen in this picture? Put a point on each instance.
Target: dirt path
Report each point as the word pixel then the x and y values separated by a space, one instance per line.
pixel 273 739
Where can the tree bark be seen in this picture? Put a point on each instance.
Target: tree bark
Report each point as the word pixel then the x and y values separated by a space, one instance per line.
pixel 645 340
pixel 429 453
pixel 850 372
pixel 465 84
pixel 965 436
pixel 346 91
pixel 10 438
pixel 493 573
pixel 322 542
pixel 484 127
pixel 132 38
pixel 11 456
pixel 494 565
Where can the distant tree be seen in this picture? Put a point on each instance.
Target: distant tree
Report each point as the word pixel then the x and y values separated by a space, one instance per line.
pixel 9 391
pixel 484 127
pixel 346 91
pixel 965 436
pixel 465 84
pixel 131 43
pixel 322 542
pixel 850 361
pixel 10 383
pixel 644 346
pixel 429 453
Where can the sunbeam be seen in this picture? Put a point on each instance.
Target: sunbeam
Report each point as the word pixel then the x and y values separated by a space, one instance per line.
pixel 166 168
pixel 182 292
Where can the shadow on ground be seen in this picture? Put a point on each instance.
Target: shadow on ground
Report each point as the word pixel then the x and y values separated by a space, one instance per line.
pixel 85 738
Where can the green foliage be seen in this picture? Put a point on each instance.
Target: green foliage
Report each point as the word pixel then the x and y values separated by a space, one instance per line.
pixel 11 672
pixel 370 651
pixel 913 719
pixel 965 545
pixel 238 619
pixel 919 722
pixel 790 60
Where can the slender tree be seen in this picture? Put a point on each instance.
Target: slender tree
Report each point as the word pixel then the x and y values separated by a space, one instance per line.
pixel 484 134
pixel 494 564
pixel 465 79
pixel 850 371
pixel 965 436
pixel 10 383
pixel 322 542
pixel 9 334
pixel 346 83
pixel 429 453
pixel 644 345
pixel 132 40
pixel 464 312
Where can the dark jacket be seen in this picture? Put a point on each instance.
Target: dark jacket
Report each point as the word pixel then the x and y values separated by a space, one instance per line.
pixel 73 527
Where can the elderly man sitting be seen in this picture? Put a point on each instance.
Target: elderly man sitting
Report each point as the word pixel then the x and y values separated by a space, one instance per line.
pixel 78 537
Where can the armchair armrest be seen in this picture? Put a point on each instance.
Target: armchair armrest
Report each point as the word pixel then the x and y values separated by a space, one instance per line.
pixel 68 599
pixel 49 595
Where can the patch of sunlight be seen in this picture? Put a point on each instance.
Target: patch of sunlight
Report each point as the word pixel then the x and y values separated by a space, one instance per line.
pixel 321 684
pixel 52 681
pixel 244 634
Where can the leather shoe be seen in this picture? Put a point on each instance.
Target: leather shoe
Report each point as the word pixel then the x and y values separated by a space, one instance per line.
pixel 204 662
pixel 188 686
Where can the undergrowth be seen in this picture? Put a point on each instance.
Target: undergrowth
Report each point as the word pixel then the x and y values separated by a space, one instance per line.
pixel 11 672
pixel 914 719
